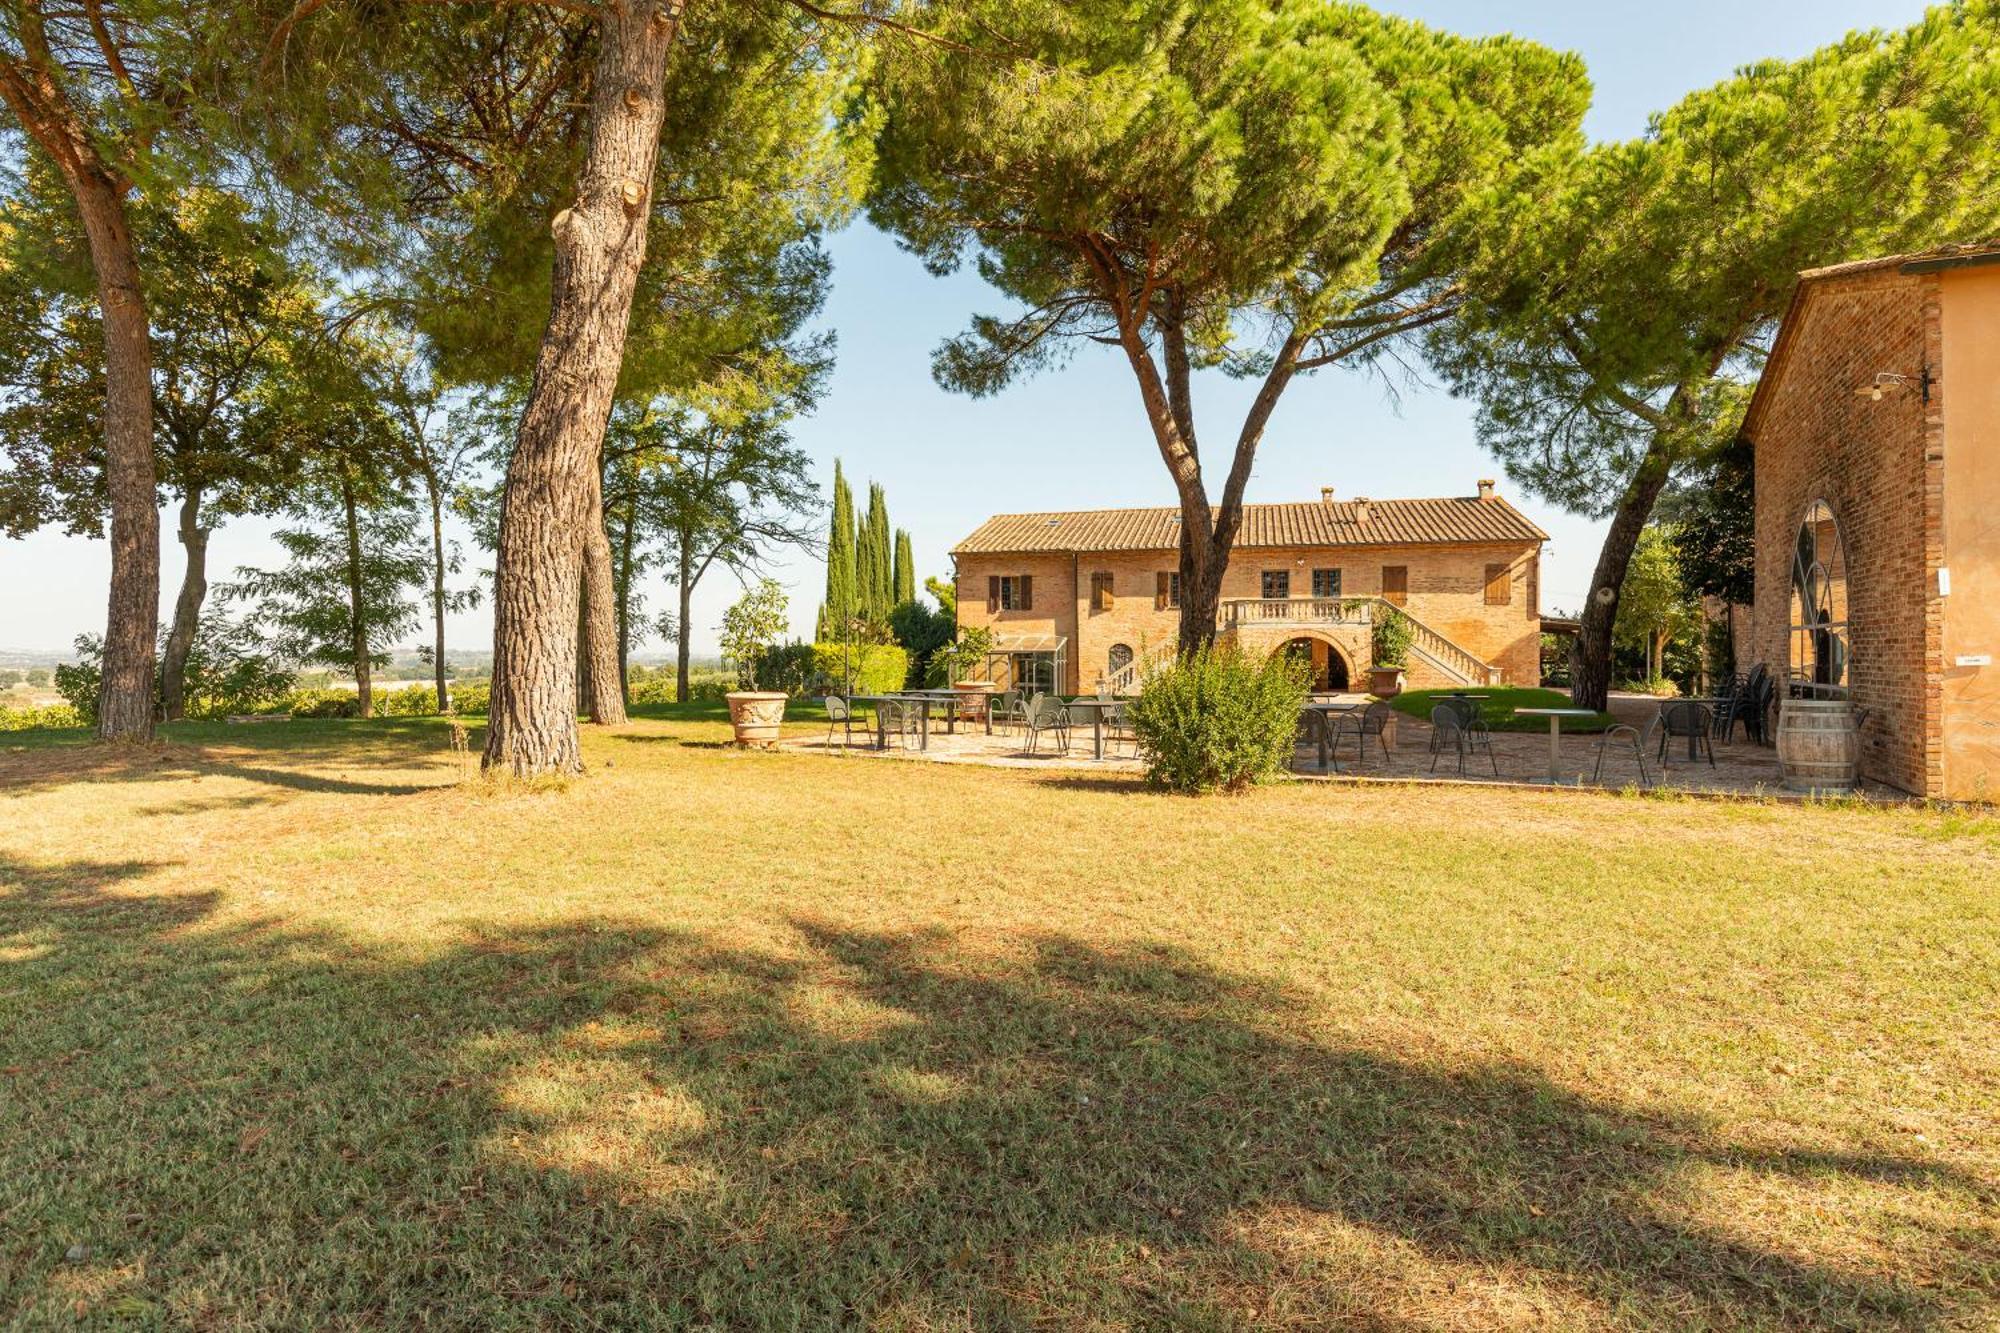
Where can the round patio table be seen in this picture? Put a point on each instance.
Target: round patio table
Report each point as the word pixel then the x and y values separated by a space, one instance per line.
pixel 1555 717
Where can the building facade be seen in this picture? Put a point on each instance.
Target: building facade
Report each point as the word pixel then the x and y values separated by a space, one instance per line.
pixel 1078 600
pixel 1877 435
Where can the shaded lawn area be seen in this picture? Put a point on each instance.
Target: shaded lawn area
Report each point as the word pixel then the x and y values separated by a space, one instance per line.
pixel 1497 709
pixel 295 1030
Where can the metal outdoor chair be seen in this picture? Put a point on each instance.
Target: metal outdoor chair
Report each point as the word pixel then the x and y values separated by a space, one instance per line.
pixel 1449 729
pixel 1373 721
pixel 898 720
pixel 1008 709
pixel 1118 728
pixel 1749 703
pixel 839 717
pixel 1622 731
pixel 1686 721
pixel 1046 714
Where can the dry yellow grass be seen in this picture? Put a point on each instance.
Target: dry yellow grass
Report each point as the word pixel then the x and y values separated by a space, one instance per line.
pixel 295 1030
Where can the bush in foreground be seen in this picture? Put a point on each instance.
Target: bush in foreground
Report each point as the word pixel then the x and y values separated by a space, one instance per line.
pixel 1218 720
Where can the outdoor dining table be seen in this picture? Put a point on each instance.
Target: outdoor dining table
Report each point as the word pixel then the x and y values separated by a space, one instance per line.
pixel 1555 717
pixel 1714 706
pixel 977 702
pixel 1326 711
pixel 1100 711
pixel 923 699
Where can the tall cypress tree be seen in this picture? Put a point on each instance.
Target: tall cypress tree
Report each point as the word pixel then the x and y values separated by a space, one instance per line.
pixel 876 580
pixel 905 589
pixel 843 598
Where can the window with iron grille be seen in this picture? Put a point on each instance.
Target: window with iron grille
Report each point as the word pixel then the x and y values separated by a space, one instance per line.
pixel 1326 583
pixel 1277 584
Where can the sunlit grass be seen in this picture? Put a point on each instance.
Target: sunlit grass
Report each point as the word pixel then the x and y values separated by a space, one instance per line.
pixel 296 1029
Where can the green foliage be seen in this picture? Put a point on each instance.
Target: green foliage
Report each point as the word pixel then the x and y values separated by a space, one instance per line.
pixel 808 669
pixel 1654 606
pixel 1714 527
pixel 945 593
pixel 959 659
pixel 1624 296
pixel 52 717
pixel 228 671
pixel 843 587
pixel 9 678
pixel 1390 638
pixel 308 607
pixel 921 631
pixel 751 625
pixel 903 580
pixel 874 543
pixel 1219 720
pixel 40 677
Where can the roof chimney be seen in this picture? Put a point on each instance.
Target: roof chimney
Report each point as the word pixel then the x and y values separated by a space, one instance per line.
pixel 1486 488
pixel 1326 495
pixel 1360 509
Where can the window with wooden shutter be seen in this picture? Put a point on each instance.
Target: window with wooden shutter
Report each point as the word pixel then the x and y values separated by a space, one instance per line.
pixel 1499 585
pixel 1276 584
pixel 1027 598
pixel 1326 583
pixel 992 593
pixel 1396 584
pixel 1160 590
pixel 1100 591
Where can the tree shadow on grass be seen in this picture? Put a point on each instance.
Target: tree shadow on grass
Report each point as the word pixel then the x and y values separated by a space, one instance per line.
pixel 296 762
pixel 609 1124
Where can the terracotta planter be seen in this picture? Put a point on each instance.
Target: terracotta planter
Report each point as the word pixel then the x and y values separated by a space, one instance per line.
pixel 966 708
pixel 1385 682
pixel 756 714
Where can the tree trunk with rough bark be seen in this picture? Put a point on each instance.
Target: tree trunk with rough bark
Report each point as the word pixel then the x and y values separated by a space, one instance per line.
pixel 435 493
pixel 604 703
pixel 627 540
pixel 685 589
pixel 552 484
pixel 357 613
pixel 187 610
pixel 125 695
pixel 1590 656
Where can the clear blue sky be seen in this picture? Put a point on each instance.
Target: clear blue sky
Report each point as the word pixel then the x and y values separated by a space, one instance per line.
pixel 1075 437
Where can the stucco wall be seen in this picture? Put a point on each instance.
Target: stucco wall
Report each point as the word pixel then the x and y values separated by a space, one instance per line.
pixel 1447 590
pixel 1879 465
pixel 1971 533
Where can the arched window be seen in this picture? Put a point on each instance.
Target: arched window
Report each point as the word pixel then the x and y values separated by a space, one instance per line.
pixel 1121 657
pixel 1819 605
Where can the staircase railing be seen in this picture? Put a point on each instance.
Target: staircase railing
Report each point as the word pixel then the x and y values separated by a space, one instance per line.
pixel 1126 679
pixel 1444 654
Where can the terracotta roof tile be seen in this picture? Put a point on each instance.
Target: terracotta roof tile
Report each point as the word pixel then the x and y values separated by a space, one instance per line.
pixel 1451 521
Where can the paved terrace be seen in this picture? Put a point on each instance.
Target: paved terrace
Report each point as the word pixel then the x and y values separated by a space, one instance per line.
pixel 1741 768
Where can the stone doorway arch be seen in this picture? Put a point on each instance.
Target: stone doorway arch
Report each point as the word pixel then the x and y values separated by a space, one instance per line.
pixel 1332 672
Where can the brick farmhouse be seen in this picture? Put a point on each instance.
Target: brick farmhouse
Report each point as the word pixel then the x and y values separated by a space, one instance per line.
pixel 1082 599
pixel 1877 434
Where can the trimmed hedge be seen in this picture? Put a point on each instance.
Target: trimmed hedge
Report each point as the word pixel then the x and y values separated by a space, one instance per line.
pixel 806 669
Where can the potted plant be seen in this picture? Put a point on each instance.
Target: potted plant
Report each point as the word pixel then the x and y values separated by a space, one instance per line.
pixel 1391 637
pixel 748 629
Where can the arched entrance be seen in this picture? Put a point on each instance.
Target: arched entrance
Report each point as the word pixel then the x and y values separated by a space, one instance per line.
pixel 1330 672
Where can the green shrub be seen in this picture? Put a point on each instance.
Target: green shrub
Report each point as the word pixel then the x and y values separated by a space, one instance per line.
pixel 804 670
pixel 962 659
pixel 1219 720
pixel 1391 639
pixel 33 719
pixel 325 703
pixel 474 696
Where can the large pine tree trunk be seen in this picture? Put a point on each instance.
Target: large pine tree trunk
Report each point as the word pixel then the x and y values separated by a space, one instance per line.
pixel 685 589
pixel 603 703
pixel 551 495
pixel 125 695
pixel 437 591
pixel 187 609
pixel 1590 657
pixel 627 541
pixel 357 611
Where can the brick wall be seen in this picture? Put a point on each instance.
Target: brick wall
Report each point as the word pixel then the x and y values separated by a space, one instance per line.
pixel 1447 591
pixel 1879 465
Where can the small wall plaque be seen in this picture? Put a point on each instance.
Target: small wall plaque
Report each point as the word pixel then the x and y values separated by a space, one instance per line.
pixel 1975 659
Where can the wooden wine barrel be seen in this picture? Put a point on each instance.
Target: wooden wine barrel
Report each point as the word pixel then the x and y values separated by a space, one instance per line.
pixel 1819 747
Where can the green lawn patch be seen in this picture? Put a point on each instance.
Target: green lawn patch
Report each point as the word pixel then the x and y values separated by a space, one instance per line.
pixel 1497 709
pixel 297 1030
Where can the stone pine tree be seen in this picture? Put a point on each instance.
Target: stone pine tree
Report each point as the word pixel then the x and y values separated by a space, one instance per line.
pixel 106 93
pixel 498 112
pixel 843 591
pixel 905 576
pixel 232 312
pixel 1623 312
pixel 1266 187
